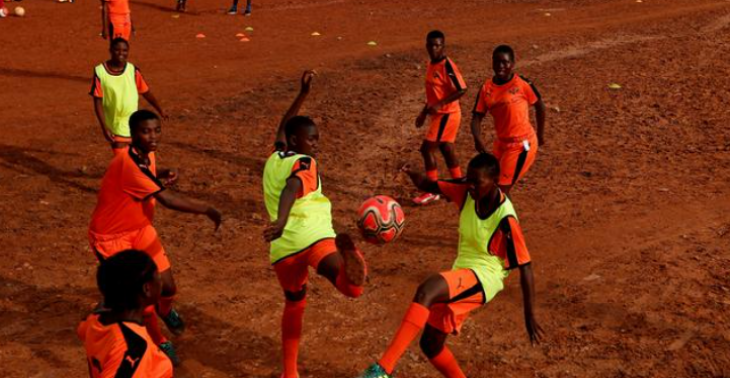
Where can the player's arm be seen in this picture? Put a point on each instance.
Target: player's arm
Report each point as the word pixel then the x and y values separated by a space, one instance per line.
pixel 155 104
pixel 476 131
pixel 187 205
pixel 99 110
pixel 421 181
pixel 168 176
pixel 307 77
pixel 286 201
pixel 540 117
pixel 104 19
pixel 528 295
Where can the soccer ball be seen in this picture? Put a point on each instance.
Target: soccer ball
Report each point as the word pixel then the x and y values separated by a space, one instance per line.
pixel 3 12
pixel 380 220
pixel 19 11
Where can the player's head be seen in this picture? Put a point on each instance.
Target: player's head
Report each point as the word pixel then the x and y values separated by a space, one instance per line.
pixel 435 43
pixel 119 50
pixel 146 129
pixel 503 62
pixel 482 174
pixel 302 135
pixel 129 280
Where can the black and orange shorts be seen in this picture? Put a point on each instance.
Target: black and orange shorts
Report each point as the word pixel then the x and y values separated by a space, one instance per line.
pixel 293 271
pixel 465 295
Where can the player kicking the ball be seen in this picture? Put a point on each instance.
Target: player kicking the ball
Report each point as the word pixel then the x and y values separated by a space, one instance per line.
pixel 301 232
pixel 508 97
pixel 444 88
pixel 123 215
pixel 490 245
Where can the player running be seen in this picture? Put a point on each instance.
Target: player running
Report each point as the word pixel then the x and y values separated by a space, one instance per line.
pixel 123 215
pixel 508 97
pixel 116 87
pixel 444 88
pixel 116 19
pixel 301 232
pixel 490 245
pixel 115 339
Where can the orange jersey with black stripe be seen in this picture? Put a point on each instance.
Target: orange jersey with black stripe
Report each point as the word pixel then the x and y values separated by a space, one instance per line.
pixel 443 79
pixel 508 241
pixel 125 201
pixel 118 6
pixel 509 104
pixel 122 350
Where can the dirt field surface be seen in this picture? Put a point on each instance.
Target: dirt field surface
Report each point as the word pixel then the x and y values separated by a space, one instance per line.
pixel 625 210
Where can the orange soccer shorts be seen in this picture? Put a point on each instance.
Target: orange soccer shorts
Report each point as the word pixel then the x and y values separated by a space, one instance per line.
pixel 515 158
pixel 444 127
pixel 121 26
pixel 293 270
pixel 122 149
pixel 145 239
pixel 466 295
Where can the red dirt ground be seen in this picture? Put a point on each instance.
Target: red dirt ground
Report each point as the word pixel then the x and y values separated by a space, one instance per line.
pixel 624 211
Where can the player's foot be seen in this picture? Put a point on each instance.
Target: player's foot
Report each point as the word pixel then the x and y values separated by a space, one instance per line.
pixel 174 323
pixel 375 371
pixel 426 198
pixel 233 10
pixel 355 268
pixel 169 350
pixel 247 12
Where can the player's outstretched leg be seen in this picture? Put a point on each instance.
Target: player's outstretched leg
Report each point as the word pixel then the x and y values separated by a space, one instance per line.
pixel 172 319
pixel 346 270
pixel 433 346
pixel 434 290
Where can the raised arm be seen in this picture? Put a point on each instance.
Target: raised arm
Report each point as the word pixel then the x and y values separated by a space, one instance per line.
pixel 286 201
pixel 421 181
pixel 528 295
pixel 186 205
pixel 307 77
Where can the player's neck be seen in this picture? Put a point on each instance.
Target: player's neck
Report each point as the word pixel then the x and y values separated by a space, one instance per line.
pixel 499 81
pixel 116 66
pixel 438 60
pixel 489 203
pixel 132 316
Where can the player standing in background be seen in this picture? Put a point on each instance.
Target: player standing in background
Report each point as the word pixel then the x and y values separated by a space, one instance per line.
pixel 115 339
pixel 509 97
pixel 444 87
pixel 301 232
pixel 234 8
pixel 116 19
pixel 124 211
pixel 116 87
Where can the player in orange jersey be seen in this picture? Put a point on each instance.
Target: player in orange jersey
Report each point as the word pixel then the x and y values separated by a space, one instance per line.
pixel 116 19
pixel 115 339
pixel 444 87
pixel 123 215
pixel 508 97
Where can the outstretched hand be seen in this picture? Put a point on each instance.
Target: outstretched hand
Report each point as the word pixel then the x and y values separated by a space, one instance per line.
pixel 307 78
pixel 534 330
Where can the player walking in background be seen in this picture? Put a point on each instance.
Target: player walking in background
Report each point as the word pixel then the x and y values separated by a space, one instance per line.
pixel 444 88
pixel 234 8
pixel 116 19
pixel 115 339
pixel 301 233
pixel 123 216
pixel 115 88
pixel 490 245
pixel 508 97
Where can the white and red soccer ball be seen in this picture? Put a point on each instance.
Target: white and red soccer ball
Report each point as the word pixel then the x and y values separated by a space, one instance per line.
pixel 380 220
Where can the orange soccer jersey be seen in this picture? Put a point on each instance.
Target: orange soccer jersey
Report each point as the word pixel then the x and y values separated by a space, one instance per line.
pixel 125 200
pixel 442 79
pixel 122 349
pixel 118 7
pixel 509 104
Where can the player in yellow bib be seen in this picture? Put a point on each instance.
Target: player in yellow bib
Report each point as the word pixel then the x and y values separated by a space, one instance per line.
pixel 116 87
pixel 490 245
pixel 301 232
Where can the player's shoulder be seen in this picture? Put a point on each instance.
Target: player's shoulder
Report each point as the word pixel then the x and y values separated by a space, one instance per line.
pixel 525 80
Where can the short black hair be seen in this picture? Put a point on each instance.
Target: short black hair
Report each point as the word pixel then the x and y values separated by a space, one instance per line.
pixel 504 49
pixel 487 162
pixel 121 279
pixel 296 123
pixel 140 116
pixel 434 34
pixel 118 40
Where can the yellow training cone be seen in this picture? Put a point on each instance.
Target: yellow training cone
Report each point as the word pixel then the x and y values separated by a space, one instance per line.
pixel 372 43
pixel 614 86
pixel 248 28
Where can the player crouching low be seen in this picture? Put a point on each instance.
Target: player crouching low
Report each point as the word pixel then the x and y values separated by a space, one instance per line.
pixel 490 245
pixel 301 232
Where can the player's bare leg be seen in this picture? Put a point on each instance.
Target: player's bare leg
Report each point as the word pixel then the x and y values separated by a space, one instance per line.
pixel 346 270
pixel 428 151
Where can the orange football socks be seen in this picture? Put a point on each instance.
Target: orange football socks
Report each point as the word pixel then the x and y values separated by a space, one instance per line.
pixel 414 321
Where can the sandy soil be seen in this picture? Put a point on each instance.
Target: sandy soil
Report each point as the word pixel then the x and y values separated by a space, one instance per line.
pixel 625 210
